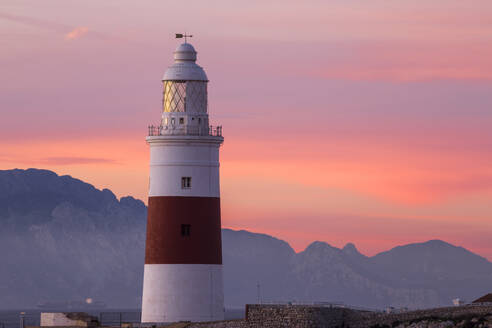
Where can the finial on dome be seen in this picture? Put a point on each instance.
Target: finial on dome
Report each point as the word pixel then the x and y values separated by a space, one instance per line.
pixel 186 36
pixel 185 53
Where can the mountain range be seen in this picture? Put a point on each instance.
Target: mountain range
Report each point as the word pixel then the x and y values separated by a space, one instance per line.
pixel 63 239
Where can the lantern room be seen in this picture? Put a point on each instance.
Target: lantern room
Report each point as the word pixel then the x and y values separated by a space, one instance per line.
pixel 184 101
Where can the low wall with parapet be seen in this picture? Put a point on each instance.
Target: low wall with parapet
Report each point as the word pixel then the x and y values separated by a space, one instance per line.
pixel 306 316
pixel 283 316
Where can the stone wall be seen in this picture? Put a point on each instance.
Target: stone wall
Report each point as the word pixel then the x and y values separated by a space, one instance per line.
pixel 305 316
pixel 294 316
pixel 283 316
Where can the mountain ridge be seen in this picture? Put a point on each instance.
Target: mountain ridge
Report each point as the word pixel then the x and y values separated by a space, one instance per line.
pixel 134 202
pixel 67 240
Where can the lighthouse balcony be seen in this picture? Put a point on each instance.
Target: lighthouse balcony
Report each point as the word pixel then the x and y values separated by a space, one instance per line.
pixel 185 130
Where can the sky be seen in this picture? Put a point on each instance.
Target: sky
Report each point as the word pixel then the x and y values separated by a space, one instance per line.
pixel 344 121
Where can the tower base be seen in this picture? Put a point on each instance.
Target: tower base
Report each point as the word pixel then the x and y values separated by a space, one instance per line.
pixel 182 292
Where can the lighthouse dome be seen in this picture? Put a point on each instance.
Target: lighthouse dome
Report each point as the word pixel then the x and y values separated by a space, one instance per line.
pixel 184 67
pixel 185 51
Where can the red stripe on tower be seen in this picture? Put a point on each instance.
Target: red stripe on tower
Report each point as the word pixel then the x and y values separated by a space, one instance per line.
pixel 183 230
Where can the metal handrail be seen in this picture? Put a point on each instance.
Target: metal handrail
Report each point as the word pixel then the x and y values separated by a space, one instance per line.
pixel 189 130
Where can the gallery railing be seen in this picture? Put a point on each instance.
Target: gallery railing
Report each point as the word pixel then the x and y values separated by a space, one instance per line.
pixel 188 130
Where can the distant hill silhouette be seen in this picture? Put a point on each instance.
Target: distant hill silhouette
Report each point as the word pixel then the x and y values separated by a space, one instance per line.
pixel 63 239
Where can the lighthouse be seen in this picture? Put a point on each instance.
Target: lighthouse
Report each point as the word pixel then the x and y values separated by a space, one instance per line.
pixel 183 251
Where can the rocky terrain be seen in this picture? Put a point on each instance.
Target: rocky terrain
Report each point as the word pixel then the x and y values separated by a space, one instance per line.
pixel 478 322
pixel 62 239
pixel 462 316
pixel 465 321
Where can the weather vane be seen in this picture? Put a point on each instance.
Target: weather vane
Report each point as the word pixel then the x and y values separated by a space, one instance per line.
pixel 179 36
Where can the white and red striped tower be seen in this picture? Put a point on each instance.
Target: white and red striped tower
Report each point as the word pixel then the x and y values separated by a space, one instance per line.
pixel 183 252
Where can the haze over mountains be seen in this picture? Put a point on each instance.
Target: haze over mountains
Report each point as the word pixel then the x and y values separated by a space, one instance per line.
pixel 63 239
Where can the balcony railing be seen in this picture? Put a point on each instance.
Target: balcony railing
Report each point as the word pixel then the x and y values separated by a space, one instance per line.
pixel 185 130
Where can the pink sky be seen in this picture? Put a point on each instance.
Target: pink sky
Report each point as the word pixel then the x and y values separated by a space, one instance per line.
pixel 345 121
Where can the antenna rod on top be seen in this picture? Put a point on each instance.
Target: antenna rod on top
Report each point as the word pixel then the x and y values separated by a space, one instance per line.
pixel 185 36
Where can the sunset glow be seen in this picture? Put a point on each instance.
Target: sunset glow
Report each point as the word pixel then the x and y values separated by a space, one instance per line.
pixel 373 129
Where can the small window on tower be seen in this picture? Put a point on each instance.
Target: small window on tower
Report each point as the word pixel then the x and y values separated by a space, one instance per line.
pixel 185 182
pixel 181 120
pixel 185 230
pixel 199 120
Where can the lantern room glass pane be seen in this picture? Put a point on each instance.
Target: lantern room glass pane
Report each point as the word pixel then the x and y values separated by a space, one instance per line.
pixel 185 96
pixel 174 96
pixel 196 96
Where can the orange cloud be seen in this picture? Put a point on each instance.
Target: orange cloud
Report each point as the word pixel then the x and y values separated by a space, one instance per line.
pixel 338 191
pixel 401 171
pixel 76 33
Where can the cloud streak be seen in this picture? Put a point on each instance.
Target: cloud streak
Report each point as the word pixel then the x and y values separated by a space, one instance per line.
pixel 70 32
pixel 76 33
